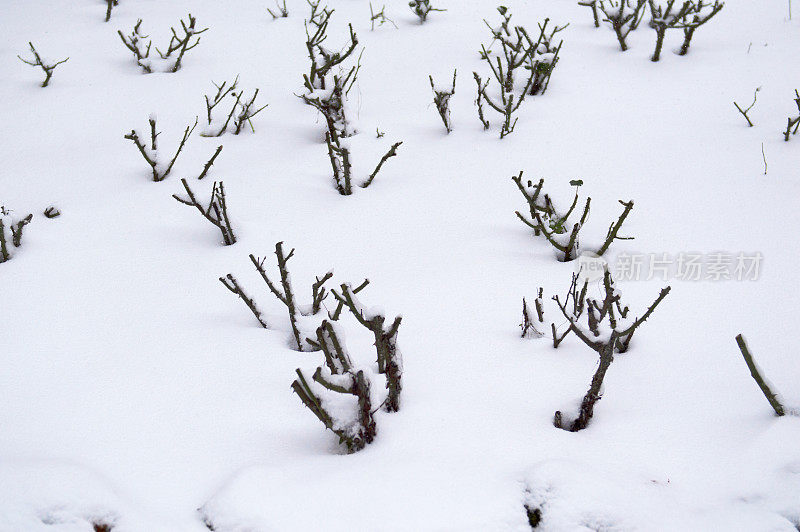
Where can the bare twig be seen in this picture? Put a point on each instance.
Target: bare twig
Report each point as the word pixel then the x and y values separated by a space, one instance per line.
pixel 772 397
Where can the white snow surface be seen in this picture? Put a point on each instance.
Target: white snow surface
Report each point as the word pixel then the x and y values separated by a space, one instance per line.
pixel 135 389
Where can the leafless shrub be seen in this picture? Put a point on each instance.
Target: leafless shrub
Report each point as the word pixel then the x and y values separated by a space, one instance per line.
pixel 16 227
pixel 608 330
pixel 241 112
pixel 338 376
pixel 176 48
pixel 390 362
pixel 281 11
pixel 215 212
pixel 558 228
pixel 149 151
pixel 422 8
pixel 441 98
pixel 38 61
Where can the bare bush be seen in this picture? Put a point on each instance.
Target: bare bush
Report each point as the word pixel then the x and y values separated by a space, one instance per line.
pixel 38 61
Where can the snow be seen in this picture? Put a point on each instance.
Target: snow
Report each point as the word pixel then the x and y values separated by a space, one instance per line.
pixel 136 389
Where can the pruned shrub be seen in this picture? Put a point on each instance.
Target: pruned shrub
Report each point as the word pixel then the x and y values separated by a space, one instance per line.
pixel 11 231
pixel 441 99
pixel 608 329
pixel 422 8
pixel 560 228
pixel 519 52
pixel 242 109
pixel 390 362
pixel 354 425
pixel 150 152
pixel 172 57
pixel 216 212
pixel 280 10
pixel 623 16
pixel 37 61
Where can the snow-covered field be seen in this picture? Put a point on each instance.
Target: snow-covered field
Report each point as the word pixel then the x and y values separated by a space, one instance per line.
pixel 136 392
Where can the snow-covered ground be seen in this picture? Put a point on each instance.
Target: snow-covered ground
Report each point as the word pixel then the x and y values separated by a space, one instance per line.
pixel 136 391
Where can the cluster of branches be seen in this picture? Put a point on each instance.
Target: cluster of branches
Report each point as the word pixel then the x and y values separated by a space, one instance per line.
pixel 281 11
pixel 241 112
pixel 322 59
pixel 556 227
pixel 37 61
pixel 624 16
pixel 421 8
pixel 16 227
pixel 176 49
pixel 793 122
pixel 688 17
pixel 518 52
pixel 149 150
pixel 602 323
pixel 285 293
pixel 379 17
pixel 441 99
pixel 327 92
pixel 340 377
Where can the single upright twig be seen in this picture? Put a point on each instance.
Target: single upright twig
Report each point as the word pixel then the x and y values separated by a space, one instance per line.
pixel 772 397
pixel 150 154
pixel 37 61
pixel 694 18
pixel 182 44
pixel 216 212
pixel 230 282
pixel 386 156
pixel 441 98
pixel 281 9
pixel 545 220
pixel 176 48
pixel 745 111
